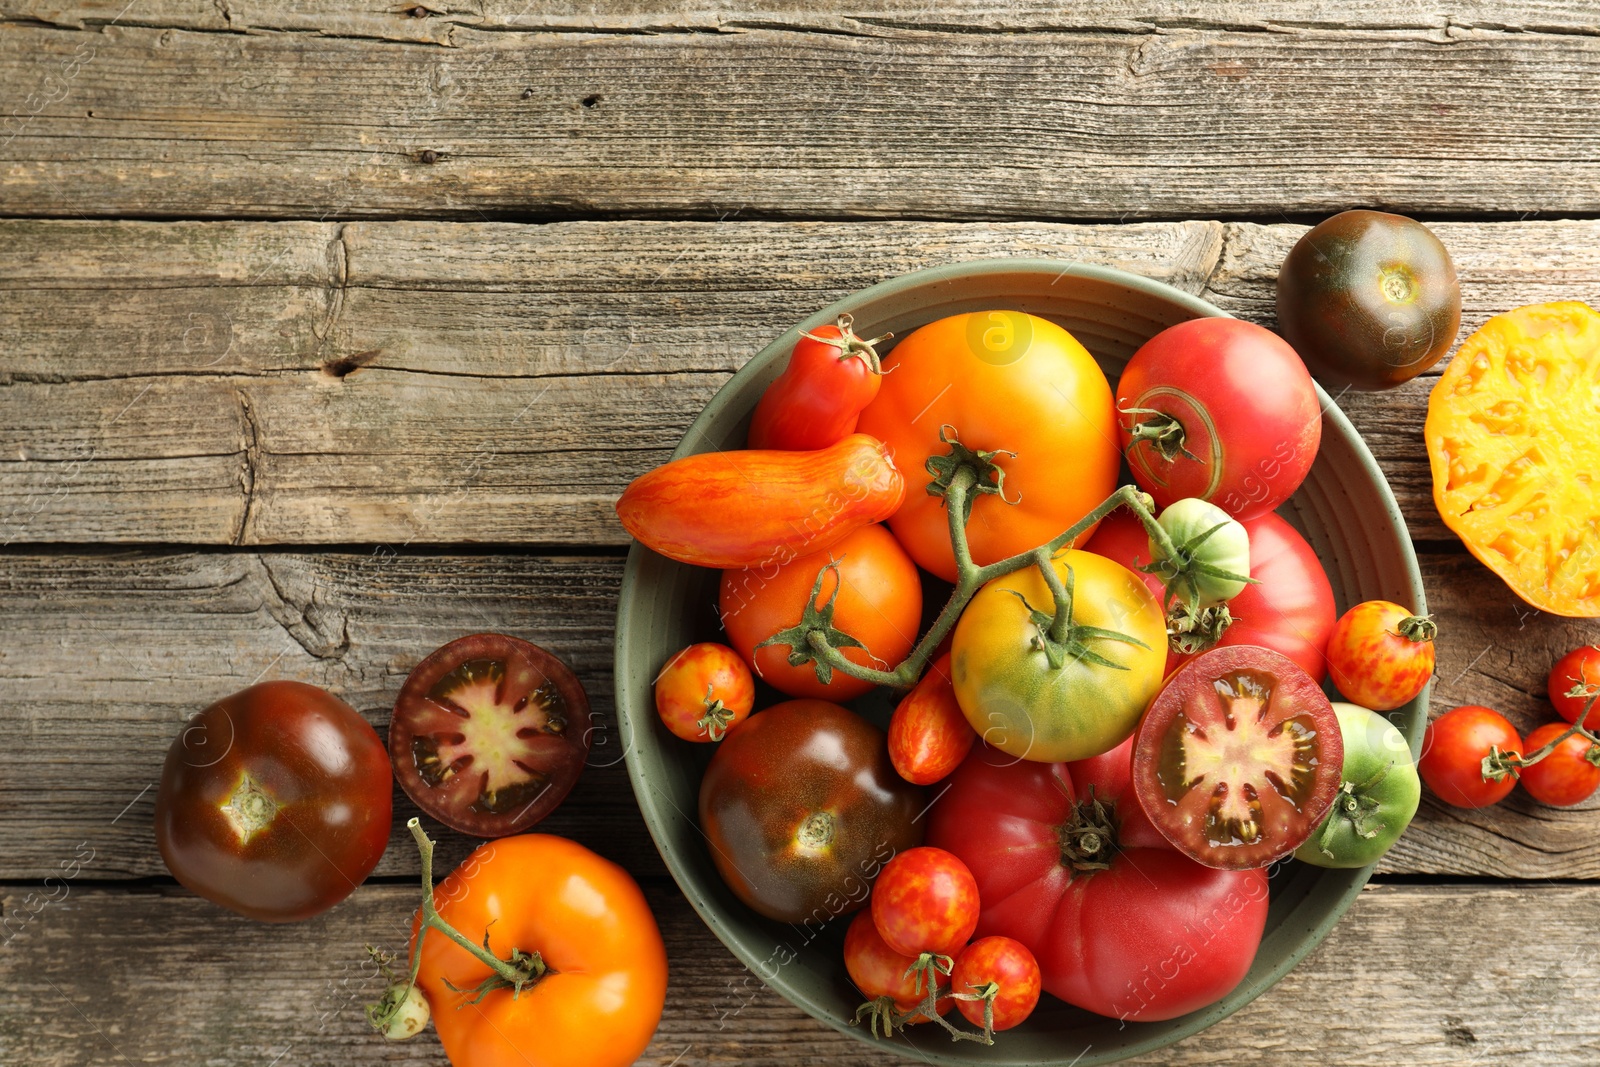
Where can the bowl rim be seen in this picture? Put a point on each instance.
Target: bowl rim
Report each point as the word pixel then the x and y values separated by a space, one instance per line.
pixel 644 791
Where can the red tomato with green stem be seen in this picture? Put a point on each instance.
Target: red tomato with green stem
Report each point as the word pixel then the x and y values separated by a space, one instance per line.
pixel 1580 667
pixel 1220 409
pixel 929 734
pixel 925 901
pixel 880 971
pixel 704 691
pixel 1381 655
pixel 1068 864
pixel 831 376
pixel 1004 966
pixel 1569 774
pixel 1453 753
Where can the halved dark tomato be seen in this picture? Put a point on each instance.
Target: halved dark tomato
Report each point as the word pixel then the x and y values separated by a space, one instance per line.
pixel 489 734
pixel 1238 758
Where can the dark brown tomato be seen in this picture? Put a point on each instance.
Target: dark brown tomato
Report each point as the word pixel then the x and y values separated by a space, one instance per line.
pixel 1369 300
pixel 803 808
pixel 275 802
pixel 489 734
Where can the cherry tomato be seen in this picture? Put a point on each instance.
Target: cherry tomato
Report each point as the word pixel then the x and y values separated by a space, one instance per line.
pixel 489 734
pixel 928 734
pixel 925 901
pixel 704 691
pixel 832 374
pixel 274 802
pixel 880 971
pixel 1568 775
pixel 1008 383
pixel 802 809
pixel 879 603
pixel 600 1002
pixel 1219 409
pixel 1010 968
pixel 1452 756
pixel 1581 666
pixel 1238 758
pixel 1381 655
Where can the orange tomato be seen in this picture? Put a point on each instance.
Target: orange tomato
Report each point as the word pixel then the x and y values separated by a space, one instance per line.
pixel 598 1005
pixel 1005 382
pixel 879 604
pixel 704 691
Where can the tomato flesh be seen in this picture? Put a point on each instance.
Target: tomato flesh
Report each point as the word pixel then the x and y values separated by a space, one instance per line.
pixel 489 734
pixel 1238 758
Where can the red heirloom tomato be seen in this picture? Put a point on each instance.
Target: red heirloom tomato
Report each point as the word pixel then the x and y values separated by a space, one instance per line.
pixel 831 375
pixel 1010 968
pixel 928 734
pixel 489 734
pixel 274 802
pixel 1568 775
pixel 879 603
pixel 880 971
pixel 802 810
pixel 1381 655
pixel 600 1000
pixel 1579 667
pixel 749 508
pixel 1222 410
pixel 1068 864
pixel 925 900
pixel 1238 758
pixel 1007 383
pixel 1452 756
pixel 704 691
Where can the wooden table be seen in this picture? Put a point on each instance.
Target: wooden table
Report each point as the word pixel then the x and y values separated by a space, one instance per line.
pixel 331 335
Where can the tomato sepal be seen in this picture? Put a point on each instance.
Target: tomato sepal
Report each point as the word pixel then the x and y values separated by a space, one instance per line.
pixel 815 621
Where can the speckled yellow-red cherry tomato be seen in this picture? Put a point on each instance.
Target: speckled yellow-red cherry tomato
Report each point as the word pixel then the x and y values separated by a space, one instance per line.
pixel 704 691
pixel 1381 655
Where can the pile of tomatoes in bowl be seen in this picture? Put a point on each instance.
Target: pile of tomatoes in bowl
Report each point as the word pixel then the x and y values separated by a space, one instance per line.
pixel 1084 659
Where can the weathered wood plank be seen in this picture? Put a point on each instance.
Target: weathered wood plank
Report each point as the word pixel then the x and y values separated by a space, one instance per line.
pixel 108 654
pixel 1063 122
pixel 150 977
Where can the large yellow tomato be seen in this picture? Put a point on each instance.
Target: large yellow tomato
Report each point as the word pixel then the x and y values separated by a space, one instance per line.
pixel 1513 437
pixel 1062 703
pixel 1005 382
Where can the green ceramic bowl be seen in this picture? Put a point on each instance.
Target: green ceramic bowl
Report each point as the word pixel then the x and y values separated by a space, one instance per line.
pixel 1345 509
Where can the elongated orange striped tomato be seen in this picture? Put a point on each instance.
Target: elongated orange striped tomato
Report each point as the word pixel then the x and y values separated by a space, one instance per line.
pixel 753 507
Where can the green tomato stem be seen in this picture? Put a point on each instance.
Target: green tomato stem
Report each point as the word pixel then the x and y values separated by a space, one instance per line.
pixel 1529 759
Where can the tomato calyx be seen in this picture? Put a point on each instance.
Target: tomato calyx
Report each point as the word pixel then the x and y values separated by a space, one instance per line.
pixel 987 475
pixel 816 624
pixel 717 717
pixel 1190 631
pixel 1061 639
pixel 883 1011
pixel 1355 804
pixel 1089 837
pixel 1417 628
pixel 1496 765
pixel 1161 430
pixel 852 347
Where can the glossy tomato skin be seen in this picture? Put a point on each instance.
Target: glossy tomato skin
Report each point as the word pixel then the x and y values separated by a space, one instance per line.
pixel 1009 965
pixel 1017 702
pixel 1378 794
pixel 929 735
pixel 879 971
pixel 1238 758
pixel 1005 381
pixel 1372 660
pixel 925 900
pixel 879 604
pixel 704 691
pixel 1153 936
pixel 802 809
pixel 1452 756
pixel 275 802
pixel 1581 666
pixel 588 921
pixel 1564 777
pixel 762 506
pixel 1369 300
pixel 831 375
pixel 1249 412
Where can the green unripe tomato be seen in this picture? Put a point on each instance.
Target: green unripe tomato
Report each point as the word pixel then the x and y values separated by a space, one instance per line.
pixel 1226 548
pixel 1378 793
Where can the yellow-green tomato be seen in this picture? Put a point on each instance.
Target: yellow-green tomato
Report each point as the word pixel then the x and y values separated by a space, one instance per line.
pixel 1210 544
pixel 1045 696
pixel 1378 793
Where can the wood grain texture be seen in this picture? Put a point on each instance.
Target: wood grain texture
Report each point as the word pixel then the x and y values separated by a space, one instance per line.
pixel 260 382
pixel 108 654
pixel 1060 121
pixel 153 977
